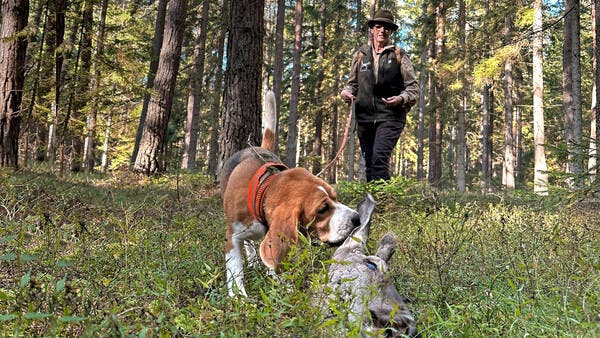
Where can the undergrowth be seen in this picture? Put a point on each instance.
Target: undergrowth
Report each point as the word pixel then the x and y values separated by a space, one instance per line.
pixel 102 255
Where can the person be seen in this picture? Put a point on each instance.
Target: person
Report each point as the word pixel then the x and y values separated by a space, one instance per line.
pixel 382 92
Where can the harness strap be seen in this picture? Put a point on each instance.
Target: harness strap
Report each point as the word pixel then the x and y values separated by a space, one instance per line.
pixel 258 186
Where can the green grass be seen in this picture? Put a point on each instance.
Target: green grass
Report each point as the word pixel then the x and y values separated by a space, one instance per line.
pixel 121 256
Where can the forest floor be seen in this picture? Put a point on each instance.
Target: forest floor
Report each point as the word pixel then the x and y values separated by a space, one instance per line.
pixel 118 255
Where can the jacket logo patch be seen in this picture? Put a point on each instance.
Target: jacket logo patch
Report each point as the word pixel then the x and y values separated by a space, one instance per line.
pixel 364 66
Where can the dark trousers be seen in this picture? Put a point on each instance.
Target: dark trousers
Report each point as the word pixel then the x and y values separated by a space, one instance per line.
pixel 377 141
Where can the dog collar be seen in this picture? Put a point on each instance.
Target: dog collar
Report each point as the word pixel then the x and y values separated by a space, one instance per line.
pixel 257 187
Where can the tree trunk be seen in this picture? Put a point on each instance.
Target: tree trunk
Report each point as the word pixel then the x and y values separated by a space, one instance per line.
pixel 292 136
pixel 157 41
pixel 575 152
pixel 151 157
pixel 422 104
pixel 33 66
pixel 36 66
pixel 518 140
pixel 571 81
pixel 508 164
pixel 89 160
pixel 215 111
pixel 595 123
pixel 268 42
pixel 242 111
pixel 321 92
pixel 81 96
pixel 278 63
pixel 71 74
pixel 432 163
pixel 334 122
pixel 45 81
pixel 567 79
pixel 188 160
pixel 58 19
pixel 440 37
pixel 541 169
pixel 486 125
pixel 104 162
pixel 372 8
pixel 351 148
pixel 486 138
pixel 435 136
pixel 333 134
pixel 460 115
pixel 12 74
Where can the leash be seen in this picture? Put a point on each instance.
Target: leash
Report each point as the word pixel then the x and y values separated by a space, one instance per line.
pixel 344 140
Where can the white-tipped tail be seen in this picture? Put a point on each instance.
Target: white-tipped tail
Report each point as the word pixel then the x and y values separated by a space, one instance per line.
pixel 269 121
pixel 269 112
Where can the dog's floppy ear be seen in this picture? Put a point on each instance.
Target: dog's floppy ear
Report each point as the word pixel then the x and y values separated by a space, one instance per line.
pixel 281 236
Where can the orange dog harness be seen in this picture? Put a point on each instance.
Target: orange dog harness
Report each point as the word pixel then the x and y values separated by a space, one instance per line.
pixel 259 185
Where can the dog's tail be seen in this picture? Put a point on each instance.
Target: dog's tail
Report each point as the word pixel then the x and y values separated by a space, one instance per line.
pixel 269 121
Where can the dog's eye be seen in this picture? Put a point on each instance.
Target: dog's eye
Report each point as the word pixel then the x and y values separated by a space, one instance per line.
pixel 323 209
pixel 372 266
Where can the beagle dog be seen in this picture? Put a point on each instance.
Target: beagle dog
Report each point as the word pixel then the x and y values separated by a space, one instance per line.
pixel 264 200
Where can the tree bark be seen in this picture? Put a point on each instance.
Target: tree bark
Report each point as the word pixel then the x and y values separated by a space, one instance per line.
pixel 58 26
pixel 595 123
pixel 508 164
pixel 423 85
pixel 334 122
pixel 12 74
pixel 372 7
pixel 541 169
pixel 188 160
pixel 213 154
pixel 431 79
pixel 460 115
pixel 321 92
pixel 486 138
pixel 292 136
pixel 72 73
pixel 350 150
pixel 153 146
pixel 576 145
pixel 278 63
pixel 33 67
pixel 333 134
pixel 567 79
pixel 518 141
pixel 242 110
pixel 435 131
pixel 37 128
pixel 157 41
pixel 104 161
pixel 81 96
pixel 486 125
pixel 89 160
pixel 45 82
pixel 571 82
pixel 268 43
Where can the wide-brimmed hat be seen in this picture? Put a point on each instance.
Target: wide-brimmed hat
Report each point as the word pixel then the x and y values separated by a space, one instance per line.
pixel 384 17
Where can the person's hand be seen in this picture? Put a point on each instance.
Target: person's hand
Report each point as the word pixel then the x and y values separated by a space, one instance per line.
pixel 393 100
pixel 347 96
